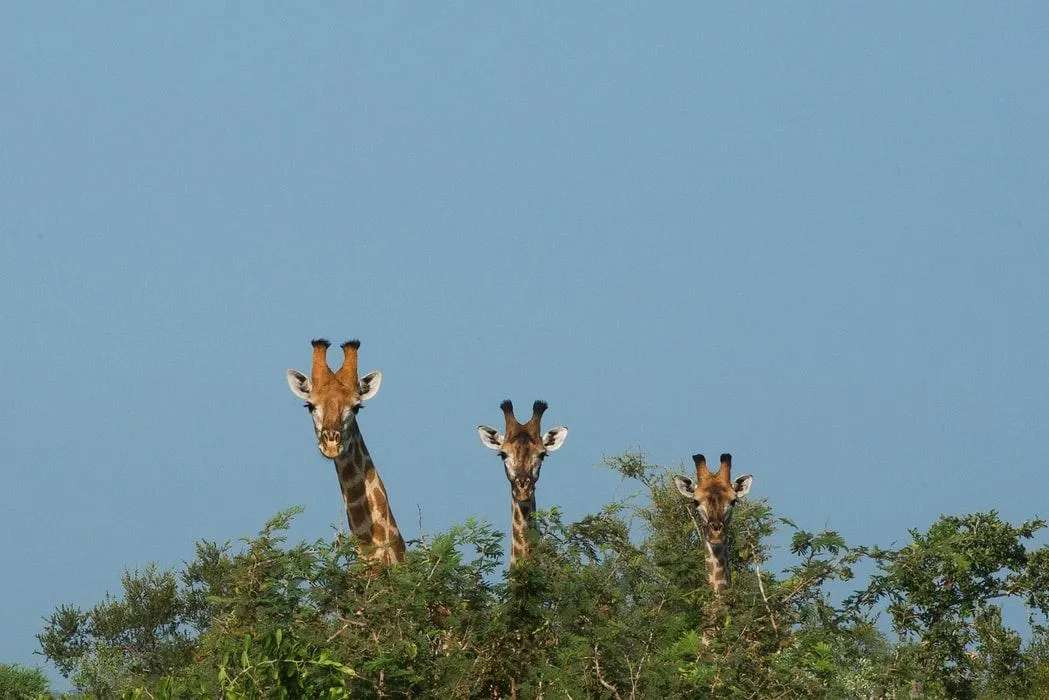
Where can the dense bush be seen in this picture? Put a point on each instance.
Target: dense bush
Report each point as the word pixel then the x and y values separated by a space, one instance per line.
pixel 595 612
pixel 18 682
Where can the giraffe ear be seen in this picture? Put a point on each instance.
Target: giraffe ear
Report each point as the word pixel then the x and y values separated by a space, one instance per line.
pixel 685 487
pixel 300 385
pixel 742 485
pixel 490 437
pixel 554 438
pixel 369 385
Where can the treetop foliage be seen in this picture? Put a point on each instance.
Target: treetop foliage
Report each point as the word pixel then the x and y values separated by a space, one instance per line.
pixel 17 681
pixel 615 605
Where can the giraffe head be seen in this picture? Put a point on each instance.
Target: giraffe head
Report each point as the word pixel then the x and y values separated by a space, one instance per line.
pixel 333 398
pixel 714 495
pixel 522 448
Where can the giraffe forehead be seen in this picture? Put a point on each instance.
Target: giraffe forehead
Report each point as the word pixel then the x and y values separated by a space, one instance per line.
pixel 715 493
pixel 523 452
pixel 522 440
pixel 333 394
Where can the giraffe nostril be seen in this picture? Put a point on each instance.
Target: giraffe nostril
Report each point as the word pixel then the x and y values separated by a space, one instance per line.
pixel 330 443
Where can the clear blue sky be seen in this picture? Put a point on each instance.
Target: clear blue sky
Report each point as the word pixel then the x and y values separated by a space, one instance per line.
pixel 817 238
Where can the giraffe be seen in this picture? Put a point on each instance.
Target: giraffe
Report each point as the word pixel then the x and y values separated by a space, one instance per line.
pixel 333 400
pixel 522 450
pixel 714 496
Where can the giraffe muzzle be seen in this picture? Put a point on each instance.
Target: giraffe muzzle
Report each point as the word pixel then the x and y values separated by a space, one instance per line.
pixel 522 491
pixel 715 535
pixel 330 443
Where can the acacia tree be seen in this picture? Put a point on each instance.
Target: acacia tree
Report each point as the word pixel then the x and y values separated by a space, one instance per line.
pixel 943 592
pixel 141 635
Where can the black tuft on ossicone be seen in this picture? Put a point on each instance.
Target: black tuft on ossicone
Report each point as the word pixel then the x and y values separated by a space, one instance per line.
pixel 539 407
pixel 698 459
pixel 726 459
pixel 507 406
pixel 319 343
pixel 355 344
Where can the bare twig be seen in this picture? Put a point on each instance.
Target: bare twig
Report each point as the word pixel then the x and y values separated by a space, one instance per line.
pixel 355 623
pixel 422 532
pixel 336 634
pixel 695 523
pixel 601 678
pixel 434 569
pixel 764 597
pixel 635 676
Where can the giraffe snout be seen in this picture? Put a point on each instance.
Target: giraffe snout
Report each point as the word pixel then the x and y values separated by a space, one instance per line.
pixel 330 443
pixel 522 490
pixel 715 534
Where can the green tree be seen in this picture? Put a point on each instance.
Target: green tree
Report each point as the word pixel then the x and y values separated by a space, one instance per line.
pixel 614 605
pixel 142 635
pixel 18 682
pixel 942 593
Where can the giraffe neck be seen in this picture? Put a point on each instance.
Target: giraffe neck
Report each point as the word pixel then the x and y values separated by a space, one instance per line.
pixel 367 505
pixel 717 566
pixel 521 517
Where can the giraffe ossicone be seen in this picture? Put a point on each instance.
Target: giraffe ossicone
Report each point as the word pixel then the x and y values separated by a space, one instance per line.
pixel 333 399
pixel 522 447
